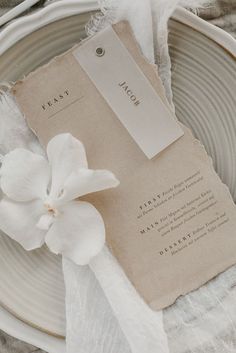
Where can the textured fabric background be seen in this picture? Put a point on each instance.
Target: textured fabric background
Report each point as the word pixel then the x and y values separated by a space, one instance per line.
pixel 5 5
pixel 221 13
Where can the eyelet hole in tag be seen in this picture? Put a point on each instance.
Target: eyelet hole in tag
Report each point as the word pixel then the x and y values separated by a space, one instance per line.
pixel 100 51
pixel 128 92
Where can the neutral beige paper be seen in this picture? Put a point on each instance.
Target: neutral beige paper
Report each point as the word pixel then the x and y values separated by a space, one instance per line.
pixel 171 223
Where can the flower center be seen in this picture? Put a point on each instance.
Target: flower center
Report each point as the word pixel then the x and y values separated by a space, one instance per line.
pixel 53 211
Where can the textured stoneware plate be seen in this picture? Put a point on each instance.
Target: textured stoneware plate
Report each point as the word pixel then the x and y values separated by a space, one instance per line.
pixel 204 85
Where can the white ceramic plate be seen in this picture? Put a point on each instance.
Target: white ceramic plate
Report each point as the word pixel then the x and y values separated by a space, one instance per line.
pixel 204 82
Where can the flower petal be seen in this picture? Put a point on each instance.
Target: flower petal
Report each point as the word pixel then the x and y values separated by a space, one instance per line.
pixel 24 175
pixel 45 221
pixel 18 220
pixel 85 181
pixel 65 154
pixel 78 232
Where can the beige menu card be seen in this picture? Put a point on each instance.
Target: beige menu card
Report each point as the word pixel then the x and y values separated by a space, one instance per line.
pixel 171 223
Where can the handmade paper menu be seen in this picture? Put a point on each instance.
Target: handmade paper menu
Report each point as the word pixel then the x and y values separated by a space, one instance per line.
pixel 171 223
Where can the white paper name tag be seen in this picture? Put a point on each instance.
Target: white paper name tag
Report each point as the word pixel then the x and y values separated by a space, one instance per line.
pixel 128 92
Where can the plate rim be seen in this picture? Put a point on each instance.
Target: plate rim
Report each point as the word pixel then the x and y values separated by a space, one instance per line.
pixel 24 332
pixel 217 34
pixel 20 28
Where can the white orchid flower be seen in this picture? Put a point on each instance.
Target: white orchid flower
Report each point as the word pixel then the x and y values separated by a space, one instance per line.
pixel 39 203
